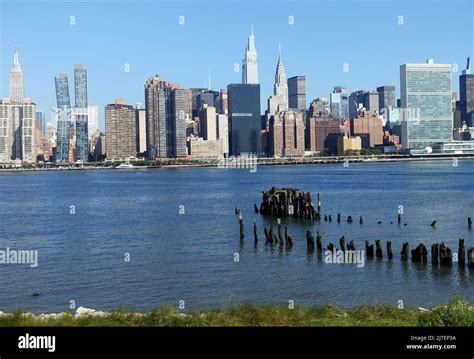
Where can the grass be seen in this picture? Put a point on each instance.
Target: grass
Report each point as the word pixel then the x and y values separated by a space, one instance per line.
pixel 457 312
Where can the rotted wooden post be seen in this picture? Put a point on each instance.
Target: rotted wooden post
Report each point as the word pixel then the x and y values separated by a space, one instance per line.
pixel 288 239
pixel 378 250
pixel 319 243
pixel 469 222
pixel 369 249
pixel 270 234
pixel 361 220
pixel 445 255
pixel 435 254
pixel 470 257
pixel 405 251
pixel 255 232
pixel 280 236
pixel 242 230
pixel 319 202
pixel 399 218
pixel 351 246
pixel 419 254
pixel 329 218
pixel 342 243
pixel 338 218
pixel 461 253
pixel 389 250
pixel 255 208
pixel 349 219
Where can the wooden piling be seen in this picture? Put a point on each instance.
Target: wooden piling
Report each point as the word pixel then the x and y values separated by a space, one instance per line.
pixel 469 222
pixel 399 218
pixel 319 243
pixel 309 239
pixel 270 234
pixel 280 237
pixel 329 218
pixel 242 230
pixel 349 219
pixel 433 224
pixel 445 255
pixel 351 246
pixel 255 233
pixel 435 254
pixel 419 254
pixel 342 243
pixel 470 257
pixel 378 250
pixel 389 250
pixel 369 249
pixel 361 220
pixel 338 218
pixel 461 253
pixel 331 247
pixel 325 217
pixel 405 251
pixel 255 208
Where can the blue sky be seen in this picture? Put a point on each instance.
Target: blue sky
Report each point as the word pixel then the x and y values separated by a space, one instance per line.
pixel 147 35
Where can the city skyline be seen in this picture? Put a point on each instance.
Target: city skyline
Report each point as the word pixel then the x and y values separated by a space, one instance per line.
pixel 323 72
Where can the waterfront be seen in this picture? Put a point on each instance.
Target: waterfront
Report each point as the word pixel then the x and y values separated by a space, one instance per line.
pixel 190 256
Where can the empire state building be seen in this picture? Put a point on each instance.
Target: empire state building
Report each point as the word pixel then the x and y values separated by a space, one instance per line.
pixel 249 64
pixel 16 80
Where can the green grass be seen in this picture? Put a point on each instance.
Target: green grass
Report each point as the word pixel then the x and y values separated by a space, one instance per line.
pixel 457 312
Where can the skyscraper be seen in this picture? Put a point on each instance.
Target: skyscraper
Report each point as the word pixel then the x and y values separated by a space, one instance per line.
pixel 208 122
pixel 466 95
pixel 81 113
pixel 167 109
pixel 120 129
pixel 386 97
pixel 280 87
pixel 178 116
pixel 297 92
pixel 244 119
pixel 140 120
pixel 340 103
pixel 157 104
pixel 16 79
pixel 425 91
pixel 64 117
pixel 249 64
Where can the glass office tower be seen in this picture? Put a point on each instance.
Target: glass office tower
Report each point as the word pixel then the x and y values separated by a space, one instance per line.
pixel 426 97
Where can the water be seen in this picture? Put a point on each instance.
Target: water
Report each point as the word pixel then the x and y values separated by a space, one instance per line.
pixel 190 256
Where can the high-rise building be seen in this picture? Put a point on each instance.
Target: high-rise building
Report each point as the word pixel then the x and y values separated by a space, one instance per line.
pixel 120 128
pixel 340 103
pixel 157 104
pixel 280 87
pixel 16 79
pixel 140 116
pixel 297 92
pixel 249 64
pixel 63 112
pixel 426 95
pixel 92 119
pixel 223 132
pixel 17 130
pixel 466 95
pixel 224 102
pixel 286 134
pixel 81 113
pixel 180 101
pixel 322 130
pixel 244 119
pixel 369 127
pixel 208 123
pixel 386 97
pixel 41 121
pixel 371 101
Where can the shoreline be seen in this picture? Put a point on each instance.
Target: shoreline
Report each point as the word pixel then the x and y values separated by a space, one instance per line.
pixel 457 312
pixel 214 163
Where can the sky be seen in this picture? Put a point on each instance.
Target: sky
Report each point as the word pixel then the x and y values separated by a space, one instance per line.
pixel 182 40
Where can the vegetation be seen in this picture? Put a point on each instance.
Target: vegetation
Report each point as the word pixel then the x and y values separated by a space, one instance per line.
pixel 455 313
